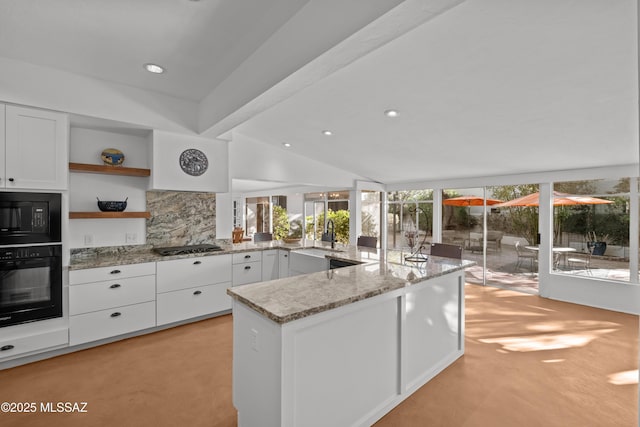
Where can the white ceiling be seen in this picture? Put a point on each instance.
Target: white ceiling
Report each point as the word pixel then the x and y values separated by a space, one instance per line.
pixel 198 42
pixel 489 87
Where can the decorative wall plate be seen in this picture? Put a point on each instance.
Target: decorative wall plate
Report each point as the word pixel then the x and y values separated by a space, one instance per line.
pixel 193 162
pixel 112 156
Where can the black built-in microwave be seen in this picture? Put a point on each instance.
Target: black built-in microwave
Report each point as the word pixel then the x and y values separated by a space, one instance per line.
pixel 29 218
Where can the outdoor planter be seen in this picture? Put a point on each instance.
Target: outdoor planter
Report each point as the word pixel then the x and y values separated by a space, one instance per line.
pixel 597 248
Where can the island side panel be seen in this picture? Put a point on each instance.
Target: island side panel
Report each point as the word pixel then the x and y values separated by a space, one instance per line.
pixel 342 367
pixel 434 328
pixel 256 368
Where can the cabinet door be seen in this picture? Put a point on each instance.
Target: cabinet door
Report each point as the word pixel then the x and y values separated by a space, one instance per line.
pixel 112 322
pixel 283 261
pixel 270 265
pixel 2 145
pixel 248 272
pixel 173 275
pixel 36 149
pixel 188 303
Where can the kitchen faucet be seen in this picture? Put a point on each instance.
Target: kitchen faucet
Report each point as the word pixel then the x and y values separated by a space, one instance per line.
pixel 330 236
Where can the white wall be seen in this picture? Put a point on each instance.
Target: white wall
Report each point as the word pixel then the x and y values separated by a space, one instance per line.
pixel 167 174
pixel 256 160
pixel 44 87
pixel 85 147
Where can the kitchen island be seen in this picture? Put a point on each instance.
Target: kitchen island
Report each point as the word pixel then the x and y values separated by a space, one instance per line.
pixel 343 347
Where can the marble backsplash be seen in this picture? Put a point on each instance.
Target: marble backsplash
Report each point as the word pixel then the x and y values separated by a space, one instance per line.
pixel 180 218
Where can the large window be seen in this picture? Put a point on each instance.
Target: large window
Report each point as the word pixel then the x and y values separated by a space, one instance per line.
pixel 320 207
pixel 591 228
pixel 512 237
pixel 370 213
pixel 257 215
pixel 265 215
pixel 409 219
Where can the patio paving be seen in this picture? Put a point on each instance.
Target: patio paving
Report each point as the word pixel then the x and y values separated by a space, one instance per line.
pixel 504 272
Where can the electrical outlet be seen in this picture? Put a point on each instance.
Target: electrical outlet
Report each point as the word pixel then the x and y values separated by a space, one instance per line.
pixel 254 339
pixel 88 239
pixel 131 238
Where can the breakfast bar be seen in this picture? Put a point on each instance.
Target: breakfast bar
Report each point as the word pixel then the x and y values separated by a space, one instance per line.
pixel 344 346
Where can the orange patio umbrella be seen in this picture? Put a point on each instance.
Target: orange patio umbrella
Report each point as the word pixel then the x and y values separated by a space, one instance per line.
pixel 559 199
pixel 469 201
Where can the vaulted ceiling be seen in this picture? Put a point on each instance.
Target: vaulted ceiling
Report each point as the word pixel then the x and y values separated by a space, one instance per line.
pixel 483 87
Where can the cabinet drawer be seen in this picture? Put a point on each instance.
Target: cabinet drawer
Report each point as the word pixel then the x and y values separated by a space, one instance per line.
pixel 27 344
pixel 112 293
pixel 247 273
pixel 187 303
pixel 187 273
pixel 108 323
pixel 99 274
pixel 242 257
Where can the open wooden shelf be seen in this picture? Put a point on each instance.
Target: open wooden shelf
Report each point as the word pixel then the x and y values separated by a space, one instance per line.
pixel 108 170
pixel 92 215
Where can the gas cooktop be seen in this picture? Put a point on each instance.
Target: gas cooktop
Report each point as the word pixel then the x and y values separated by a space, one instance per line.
pixel 188 249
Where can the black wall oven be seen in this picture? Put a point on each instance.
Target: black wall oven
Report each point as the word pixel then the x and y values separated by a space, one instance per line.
pixel 30 284
pixel 29 218
pixel 30 257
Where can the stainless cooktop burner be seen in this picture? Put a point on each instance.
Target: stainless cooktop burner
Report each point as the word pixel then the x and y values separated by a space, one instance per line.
pixel 189 249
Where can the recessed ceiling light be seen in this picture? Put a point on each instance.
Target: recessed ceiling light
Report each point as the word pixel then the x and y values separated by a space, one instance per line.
pixel 154 68
pixel 327 133
pixel 391 113
pixel 286 145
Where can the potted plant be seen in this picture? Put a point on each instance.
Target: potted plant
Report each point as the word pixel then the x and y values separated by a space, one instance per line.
pixel 597 244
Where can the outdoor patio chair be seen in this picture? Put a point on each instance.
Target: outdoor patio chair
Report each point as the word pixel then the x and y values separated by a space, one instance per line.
pixel 580 260
pixel 524 256
pixel 444 250
pixel 368 241
pixel 262 237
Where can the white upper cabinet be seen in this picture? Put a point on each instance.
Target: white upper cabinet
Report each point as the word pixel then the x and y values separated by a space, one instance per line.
pixel 189 163
pixel 2 144
pixel 35 149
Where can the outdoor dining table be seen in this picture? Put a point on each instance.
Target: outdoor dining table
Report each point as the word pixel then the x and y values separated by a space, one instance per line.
pixel 557 250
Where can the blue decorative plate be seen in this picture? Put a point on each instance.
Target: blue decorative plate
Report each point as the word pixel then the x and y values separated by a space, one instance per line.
pixel 112 156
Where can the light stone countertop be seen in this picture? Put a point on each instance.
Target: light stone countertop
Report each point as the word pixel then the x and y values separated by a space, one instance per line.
pixel 288 299
pixel 123 255
pixel 291 298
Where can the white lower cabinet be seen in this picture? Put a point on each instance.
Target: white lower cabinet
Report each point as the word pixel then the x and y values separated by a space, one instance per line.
pixel 275 264
pixel 283 263
pixel 192 287
pixel 270 265
pixel 110 301
pixel 187 303
pixel 247 267
pixel 113 293
pixel 111 322
pixel 23 345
